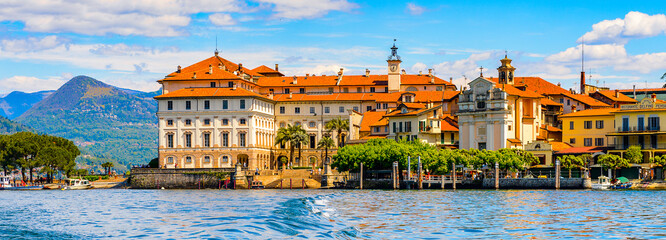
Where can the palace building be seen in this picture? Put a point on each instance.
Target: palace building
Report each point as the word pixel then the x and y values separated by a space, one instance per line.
pixel 217 113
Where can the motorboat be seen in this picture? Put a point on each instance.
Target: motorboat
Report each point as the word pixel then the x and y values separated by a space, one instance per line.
pixel 77 184
pixel 626 185
pixel 5 183
pixel 603 183
pixel 257 185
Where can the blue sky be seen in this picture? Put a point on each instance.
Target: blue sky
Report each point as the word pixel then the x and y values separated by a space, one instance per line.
pixel 133 43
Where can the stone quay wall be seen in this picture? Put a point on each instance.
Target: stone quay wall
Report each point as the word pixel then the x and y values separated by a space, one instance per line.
pixel 538 183
pixel 154 178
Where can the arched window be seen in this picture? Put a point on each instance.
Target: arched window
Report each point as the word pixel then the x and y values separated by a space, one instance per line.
pixel 283 124
pixel 206 159
pixel 169 160
pixel 225 159
pixel 188 159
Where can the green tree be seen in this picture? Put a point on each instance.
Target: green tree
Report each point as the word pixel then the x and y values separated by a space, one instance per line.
pixel 340 126
pixel 325 143
pixel 299 138
pixel 107 167
pixel 634 154
pixel 570 161
pixel 614 162
pixel 292 136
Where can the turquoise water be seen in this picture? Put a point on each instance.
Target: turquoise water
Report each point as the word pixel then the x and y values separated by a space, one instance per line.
pixel 342 214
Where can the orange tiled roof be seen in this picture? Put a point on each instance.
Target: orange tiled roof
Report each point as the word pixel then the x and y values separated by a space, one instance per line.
pixel 419 110
pixel 414 105
pixel 550 128
pixel 591 112
pixel 209 92
pixel 511 90
pixel 420 96
pixel 643 90
pixel 538 85
pixel 370 118
pixel 264 69
pixel 587 100
pixel 202 68
pixel 559 146
pixel 621 98
pixel 347 80
pixel 382 122
pixel 296 97
pixel 548 102
pixel 448 127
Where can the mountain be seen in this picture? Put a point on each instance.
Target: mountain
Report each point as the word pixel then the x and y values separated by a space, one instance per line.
pixel 103 120
pixel 9 127
pixel 16 103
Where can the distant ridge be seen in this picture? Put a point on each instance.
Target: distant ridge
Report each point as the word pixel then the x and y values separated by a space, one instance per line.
pixel 104 120
pixel 10 127
pixel 16 103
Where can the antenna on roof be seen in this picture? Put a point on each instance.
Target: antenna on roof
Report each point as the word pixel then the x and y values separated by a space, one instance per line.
pixel 216 52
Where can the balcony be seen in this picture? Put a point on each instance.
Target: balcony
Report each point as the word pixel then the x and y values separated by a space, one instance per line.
pixel 658 146
pixel 430 130
pixel 634 129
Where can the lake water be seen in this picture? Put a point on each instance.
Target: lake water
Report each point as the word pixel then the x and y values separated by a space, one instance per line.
pixel 343 214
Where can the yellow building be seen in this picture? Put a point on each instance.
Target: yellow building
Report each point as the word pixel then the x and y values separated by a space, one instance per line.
pixel 640 124
pixel 588 128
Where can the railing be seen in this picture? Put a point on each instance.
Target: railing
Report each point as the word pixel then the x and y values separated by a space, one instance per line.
pixel 639 129
pixel 644 147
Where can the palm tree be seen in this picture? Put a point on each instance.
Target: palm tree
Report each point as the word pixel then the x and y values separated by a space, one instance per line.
pixel 294 136
pixel 284 137
pixel 339 125
pixel 325 143
pixel 107 167
pixel 299 138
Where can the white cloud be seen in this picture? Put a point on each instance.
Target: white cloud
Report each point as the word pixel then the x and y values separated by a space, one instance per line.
pixel 222 19
pixel 634 25
pixel 604 51
pixel 31 44
pixel 468 67
pixel 31 84
pixel 122 17
pixel 414 9
pixel 308 9
pixel 419 67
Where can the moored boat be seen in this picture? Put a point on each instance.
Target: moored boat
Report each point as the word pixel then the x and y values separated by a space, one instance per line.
pixel 5 183
pixel 52 186
pixel 257 185
pixel 602 183
pixel 77 184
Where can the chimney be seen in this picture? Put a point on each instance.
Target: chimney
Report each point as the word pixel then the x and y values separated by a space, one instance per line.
pixel 307 75
pixel 290 95
pixel 573 108
pixel 240 67
pixel 559 84
pixel 276 67
pixel 341 71
pixel 295 81
pixel 451 79
pixel 194 76
pixel 582 82
pixel 404 72
pixel 420 72
pixel 634 91
pixel 210 69
pixel 617 93
pixel 270 95
pixel 432 79
pixel 178 71
pixel 430 72
pixel 220 66
pixel 367 72
pixel 233 86
pixel 654 97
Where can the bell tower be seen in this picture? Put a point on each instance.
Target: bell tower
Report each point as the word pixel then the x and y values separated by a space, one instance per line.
pixel 394 69
pixel 505 72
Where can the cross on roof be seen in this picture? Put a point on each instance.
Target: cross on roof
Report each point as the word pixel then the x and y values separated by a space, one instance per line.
pixel 481 71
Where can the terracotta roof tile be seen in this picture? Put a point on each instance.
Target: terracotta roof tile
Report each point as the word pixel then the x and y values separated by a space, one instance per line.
pixel 559 146
pixel 591 112
pixel 448 127
pixel 548 102
pixel 295 97
pixel 587 100
pixel 203 67
pixel 538 85
pixel 209 92
pixel 621 98
pixel 370 118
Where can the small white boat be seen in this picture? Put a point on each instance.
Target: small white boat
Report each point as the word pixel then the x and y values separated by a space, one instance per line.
pixel 5 183
pixel 77 184
pixel 602 184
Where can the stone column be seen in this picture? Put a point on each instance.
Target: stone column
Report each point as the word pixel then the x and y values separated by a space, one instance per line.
pixel 557 174
pixel 496 175
pixel 453 174
pixel 420 180
pixel 361 177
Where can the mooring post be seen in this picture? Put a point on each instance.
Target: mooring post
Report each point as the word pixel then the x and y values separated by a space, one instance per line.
pixel 420 174
pixel 557 174
pixel 396 176
pixel 409 168
pixel 453 175
pixel 290 183
pixel 360 183
pixel 496 175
